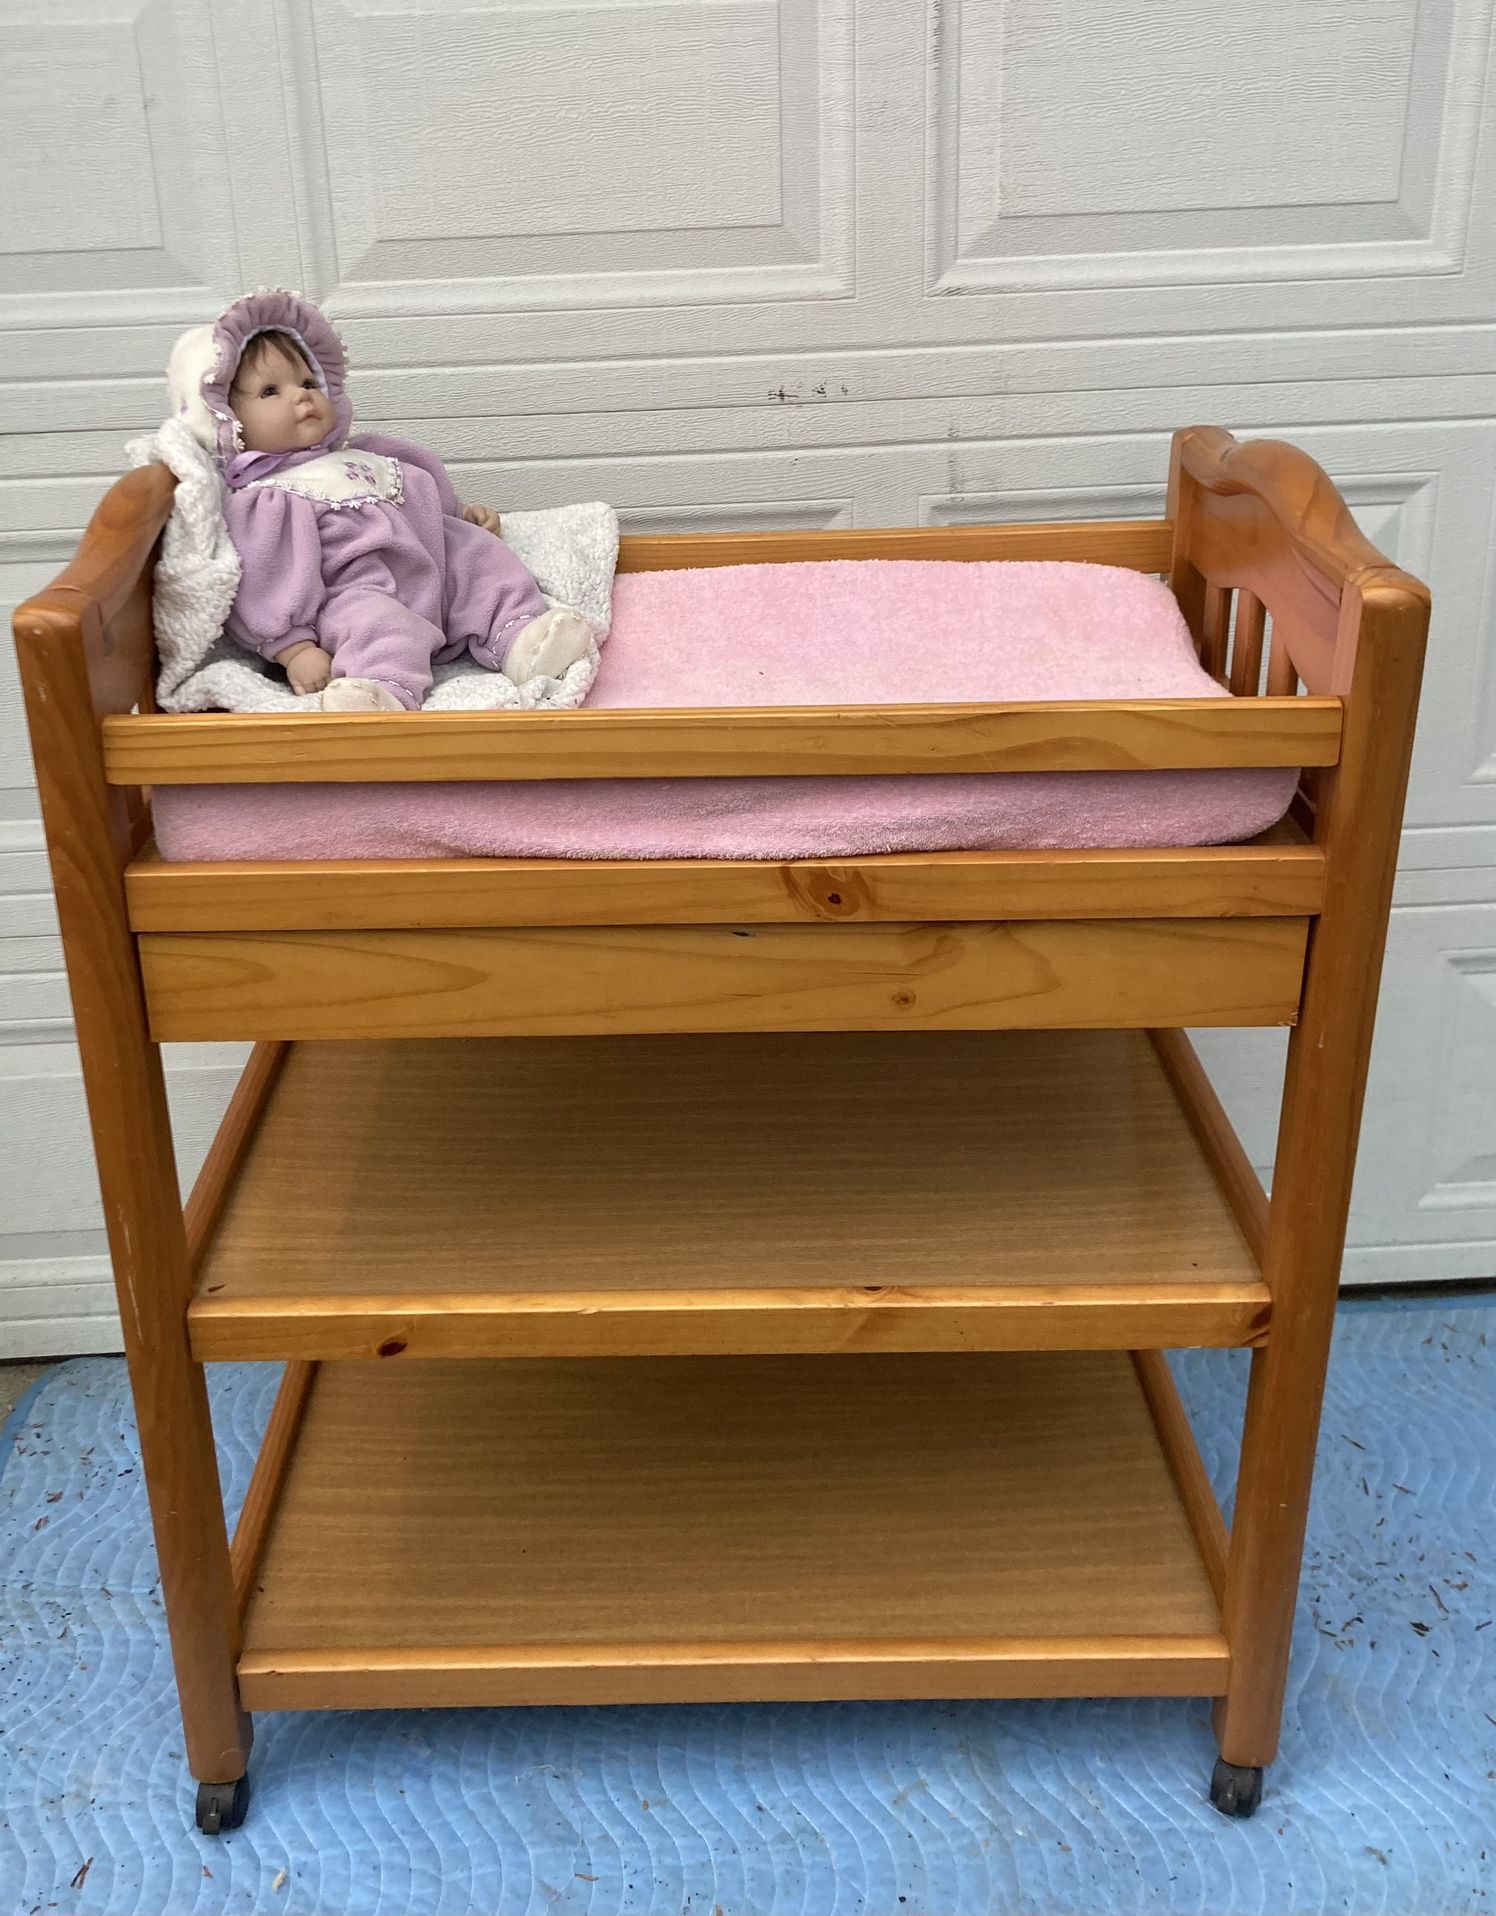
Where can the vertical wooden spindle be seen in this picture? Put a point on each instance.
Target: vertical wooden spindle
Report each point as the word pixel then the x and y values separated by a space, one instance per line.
pixel 1246 646
pixel 1282 673
pixel 1215 629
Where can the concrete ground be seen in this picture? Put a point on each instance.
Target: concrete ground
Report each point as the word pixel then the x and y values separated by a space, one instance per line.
pixel 16 1376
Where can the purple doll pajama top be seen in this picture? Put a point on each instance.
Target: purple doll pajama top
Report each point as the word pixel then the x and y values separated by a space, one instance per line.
pixel 357 544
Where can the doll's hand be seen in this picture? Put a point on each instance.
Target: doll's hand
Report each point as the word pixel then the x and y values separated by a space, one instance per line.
pixel 307 666
pixel 484 516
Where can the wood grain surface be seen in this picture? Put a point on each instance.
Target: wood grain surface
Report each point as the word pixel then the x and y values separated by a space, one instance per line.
pixel 833 1192
pixel 1278 875
pixel 587 1515
pixel 1142 544
pixel 577 981
pixel 222 748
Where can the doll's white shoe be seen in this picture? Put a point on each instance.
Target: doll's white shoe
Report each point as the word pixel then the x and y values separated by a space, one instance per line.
pixel 358 695
pixel 548 646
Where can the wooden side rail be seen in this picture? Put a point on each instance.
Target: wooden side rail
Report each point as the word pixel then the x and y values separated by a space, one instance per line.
pixel 1072 736
pixel 1196 1493
pixel 1143 545
pixel 215 1181
pixel 277 1448
pixel 1216 1135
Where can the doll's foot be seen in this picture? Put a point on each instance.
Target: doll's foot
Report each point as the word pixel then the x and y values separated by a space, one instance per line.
pixel 359 695
pixel 548 646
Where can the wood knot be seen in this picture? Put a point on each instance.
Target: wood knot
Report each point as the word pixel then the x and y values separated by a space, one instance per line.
pixel 829 894
pixel 392 1347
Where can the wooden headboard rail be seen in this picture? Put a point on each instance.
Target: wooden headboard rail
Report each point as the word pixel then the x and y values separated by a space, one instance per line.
pixel 103 598
pixel 1260 518
pixel 87 653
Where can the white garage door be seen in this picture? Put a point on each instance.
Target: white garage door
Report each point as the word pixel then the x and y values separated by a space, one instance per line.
pixel 819 262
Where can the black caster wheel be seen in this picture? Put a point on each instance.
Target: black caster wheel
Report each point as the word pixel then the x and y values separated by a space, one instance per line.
pixel 222 1806
pixel 1234 1789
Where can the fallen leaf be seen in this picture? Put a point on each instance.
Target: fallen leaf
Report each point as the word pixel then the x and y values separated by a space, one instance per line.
pixel 82 1876
pixel 280 1880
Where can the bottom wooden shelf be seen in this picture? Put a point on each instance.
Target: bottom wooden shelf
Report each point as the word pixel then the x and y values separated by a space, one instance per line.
pixel 730 1528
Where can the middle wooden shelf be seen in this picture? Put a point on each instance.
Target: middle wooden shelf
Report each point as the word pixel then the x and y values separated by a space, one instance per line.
pixel 642 1196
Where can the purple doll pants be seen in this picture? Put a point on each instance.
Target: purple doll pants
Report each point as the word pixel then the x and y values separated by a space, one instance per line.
pixel 488 597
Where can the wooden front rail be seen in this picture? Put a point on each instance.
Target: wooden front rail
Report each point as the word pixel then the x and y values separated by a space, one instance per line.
pixel 1091 735
pixel 1275 876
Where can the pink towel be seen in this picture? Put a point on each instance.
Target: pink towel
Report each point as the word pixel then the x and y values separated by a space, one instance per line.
pixel 866 631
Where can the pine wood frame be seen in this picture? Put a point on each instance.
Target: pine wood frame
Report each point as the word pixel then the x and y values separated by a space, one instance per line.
pixel 1258 524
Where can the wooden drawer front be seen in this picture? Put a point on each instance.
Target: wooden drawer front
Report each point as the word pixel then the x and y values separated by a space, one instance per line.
pixel 559 981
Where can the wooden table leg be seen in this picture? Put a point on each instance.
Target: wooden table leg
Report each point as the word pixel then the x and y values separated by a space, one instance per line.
pixel 1378 660
pixel 89 835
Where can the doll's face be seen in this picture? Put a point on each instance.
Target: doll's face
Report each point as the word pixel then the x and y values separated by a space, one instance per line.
pixel 278 403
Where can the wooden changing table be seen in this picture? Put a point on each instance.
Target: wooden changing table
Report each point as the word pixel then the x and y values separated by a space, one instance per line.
pixel 766 1296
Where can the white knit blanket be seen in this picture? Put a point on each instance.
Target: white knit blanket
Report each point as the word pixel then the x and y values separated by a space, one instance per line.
pixel 571 550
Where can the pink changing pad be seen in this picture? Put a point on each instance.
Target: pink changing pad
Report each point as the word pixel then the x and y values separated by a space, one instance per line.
pixel 844 632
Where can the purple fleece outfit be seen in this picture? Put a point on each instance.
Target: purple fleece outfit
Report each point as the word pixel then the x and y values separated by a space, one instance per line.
pixel 390 586
pixel 388 589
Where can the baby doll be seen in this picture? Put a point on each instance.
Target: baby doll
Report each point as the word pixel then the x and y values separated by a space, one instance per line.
pixel 361 568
